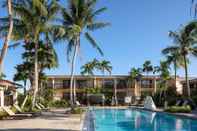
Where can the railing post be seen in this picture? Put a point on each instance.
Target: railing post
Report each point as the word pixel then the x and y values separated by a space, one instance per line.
pixel 1 97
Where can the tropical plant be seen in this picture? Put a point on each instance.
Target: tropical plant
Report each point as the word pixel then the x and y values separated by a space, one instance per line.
pixel 89 67
pixel 79 18
pixel 174 57
pixel 193 8
pixel 47 59
pixel 22 75
pixel 147 67
pixel 32 19
pixel 185 43
pixel 164 73
pixel 134 76
pixel 8 35
pixel 104 66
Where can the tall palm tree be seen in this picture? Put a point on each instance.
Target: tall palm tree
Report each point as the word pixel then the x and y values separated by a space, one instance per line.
pixel 47 59
pixel 89 67
pixel 147 67
pixel 8 36
pixel 32 19
pixel 105 66
pixel 185 43
pixel 174 57
pixel 164 73
pixel 79 18
pixel 134 76
pixel 193 8
pixel 21 75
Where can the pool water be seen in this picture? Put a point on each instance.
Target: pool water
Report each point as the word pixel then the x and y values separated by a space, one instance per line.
pixel 140 120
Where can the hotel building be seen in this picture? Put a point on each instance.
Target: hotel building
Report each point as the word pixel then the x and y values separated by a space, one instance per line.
pixel 114 83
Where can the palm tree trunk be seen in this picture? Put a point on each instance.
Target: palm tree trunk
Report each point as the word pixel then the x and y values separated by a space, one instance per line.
pixel 175 72
pixel 7 39
pixel 35 75
pixel 73 94
pixel 186 76
pixel 25 91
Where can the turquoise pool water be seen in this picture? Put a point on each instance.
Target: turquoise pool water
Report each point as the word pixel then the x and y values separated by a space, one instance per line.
pixel 140 120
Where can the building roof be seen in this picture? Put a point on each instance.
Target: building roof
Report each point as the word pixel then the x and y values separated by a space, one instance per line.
pixel 191 80
pixel 9 84
pixel 99 76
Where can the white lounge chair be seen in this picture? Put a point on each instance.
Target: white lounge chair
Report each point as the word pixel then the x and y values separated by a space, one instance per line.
pixel 38 107
pixel 12 114
pixel 18 108
pixel 77 103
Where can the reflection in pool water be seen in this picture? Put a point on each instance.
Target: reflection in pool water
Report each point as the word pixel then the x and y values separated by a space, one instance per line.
pixel 139 120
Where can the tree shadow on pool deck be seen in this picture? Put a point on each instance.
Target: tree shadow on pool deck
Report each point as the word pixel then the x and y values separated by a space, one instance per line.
pixel 36 129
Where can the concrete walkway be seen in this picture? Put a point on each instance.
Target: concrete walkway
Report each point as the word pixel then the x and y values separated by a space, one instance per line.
pixel 55 120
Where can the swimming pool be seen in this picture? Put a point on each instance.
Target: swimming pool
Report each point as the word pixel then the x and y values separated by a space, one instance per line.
pixel 140 120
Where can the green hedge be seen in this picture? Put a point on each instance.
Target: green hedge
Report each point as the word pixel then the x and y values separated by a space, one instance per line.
pixel 77 110
pixel 179 109
pixel 3 114
pixel 58 103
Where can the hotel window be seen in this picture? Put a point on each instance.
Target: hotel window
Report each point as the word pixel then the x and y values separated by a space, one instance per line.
pixel 49 84
pixel 108 84
pixel 66 83
pixel 146 83
pixel 121 84
pixel 81 83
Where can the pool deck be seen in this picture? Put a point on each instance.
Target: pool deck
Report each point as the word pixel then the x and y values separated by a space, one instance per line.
pixel 55 120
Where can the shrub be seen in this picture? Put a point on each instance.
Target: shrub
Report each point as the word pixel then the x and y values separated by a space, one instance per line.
pixel 3 114
pixel 20 98
pixel 77 110
pixel 58 103
pixel 14 109
pixel 179 109
pixel 28 105
pixel 194 98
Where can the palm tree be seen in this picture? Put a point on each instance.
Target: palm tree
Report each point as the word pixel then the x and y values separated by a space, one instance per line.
pixel 105 66
pixel 185 43
pixel 147 67
pixel 78 19
pixel 47 59
pixel 174 57
pixel 21 75
pixel 89 67
pixel 193 8
pixel 32 18
pixel 134 76
pixel 8 36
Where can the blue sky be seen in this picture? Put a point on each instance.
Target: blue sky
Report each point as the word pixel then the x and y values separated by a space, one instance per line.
pixel 138 32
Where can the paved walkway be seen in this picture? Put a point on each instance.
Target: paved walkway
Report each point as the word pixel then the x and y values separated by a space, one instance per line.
pixel 55 120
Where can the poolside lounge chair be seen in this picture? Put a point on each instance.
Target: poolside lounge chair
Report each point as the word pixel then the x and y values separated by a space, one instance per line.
pixel 43 107
pixel 12 114
pixel 178 103
pixel 38 107
pixel 149 103
pixel 18 108
pixel 77 103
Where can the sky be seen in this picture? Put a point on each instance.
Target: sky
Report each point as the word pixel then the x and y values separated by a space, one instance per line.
pixel 138 32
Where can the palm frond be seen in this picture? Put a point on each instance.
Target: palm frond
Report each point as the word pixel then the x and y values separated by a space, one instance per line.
pixel 170 49
pixel 99 11
pixel 69 49
pixel 40 6
pixel 97 25
pixel 93 43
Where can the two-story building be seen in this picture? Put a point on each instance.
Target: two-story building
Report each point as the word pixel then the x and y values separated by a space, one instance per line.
pixel 116 83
